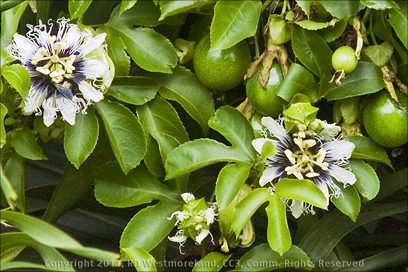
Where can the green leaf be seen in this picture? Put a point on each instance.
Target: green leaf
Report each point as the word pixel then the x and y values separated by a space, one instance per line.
pixel 216 261
pixel 303 190
pixel 196 154
pixel 80 139
pixel 125 133
pixel 184 87
pixel 150 50
pixel 298 80
pixel 161 121
pixel 379 5
pixel 72 187
pixel 17 240
pixel 149 226
pixel 305 5
pixel 19 78
pixel 53 237
pixel 367 184
pixel 246 208
pixel 141 259
pixel 312 25
pixel 3 112
pixel 8 190
pixel 278 234
pixel 229 181
pixel 233 125
pixel 116 51
pixel 350 109
pixel 382 261
pixel 271 260
pixel 115 189
pixel 233 21
pixel 280 32
pixel 379 54
pixel 348 202
pixel 398 21
pixel 5 59
pixel 367 149
pixel 11 19
pixel 135 90
pixel 383 30
pixel 23 141
pixel 77 8
pixel 328 231
pixel 125 5
pixel 332 33
pixel 312 51
pixel 14 170
pixel 142 13
pixel 392 183
pixel 342 9
pixel 169 8
pixel 153 159
pixel 365 79
pixel 301 113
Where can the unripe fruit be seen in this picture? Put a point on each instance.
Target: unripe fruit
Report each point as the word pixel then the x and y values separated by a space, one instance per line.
pixel 344 58
pixel 221 70
pixel 266 102
pixel 384 122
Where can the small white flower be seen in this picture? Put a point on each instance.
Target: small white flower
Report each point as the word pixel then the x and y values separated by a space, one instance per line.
pixel 180 215
pixel 179 237
pixel 203 234
pixel 64 77
pixel 209 215
pixel 317 157
pixel 187 197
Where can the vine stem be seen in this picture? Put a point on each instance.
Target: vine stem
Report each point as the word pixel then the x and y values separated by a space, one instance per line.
pixel 371 30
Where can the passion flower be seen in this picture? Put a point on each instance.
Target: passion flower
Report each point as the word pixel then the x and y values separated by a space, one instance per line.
pixel 307 154
pixel 68 70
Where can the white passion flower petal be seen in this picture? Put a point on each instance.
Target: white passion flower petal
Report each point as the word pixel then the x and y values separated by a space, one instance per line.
pixel 50 112
pixel 90 92
pixel 342 175
pixel 68 108
pixel 274 127
pixel 338 150
pixel 94 69
pixel 34 100
pixel 259 143
pixel 268 175
pixel 22 49
pixel 91 44
pixel 329 131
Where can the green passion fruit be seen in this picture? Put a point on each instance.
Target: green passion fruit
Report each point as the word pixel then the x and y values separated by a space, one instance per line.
pixel 384 122
pixel 266 102
pixel 221 70
pixel 344 58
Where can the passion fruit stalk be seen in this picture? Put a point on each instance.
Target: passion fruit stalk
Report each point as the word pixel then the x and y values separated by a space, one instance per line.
pixel 221 70
pixel 266 102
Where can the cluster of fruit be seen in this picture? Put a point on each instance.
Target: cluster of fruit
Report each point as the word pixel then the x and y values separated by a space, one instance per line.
pixel 384 120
